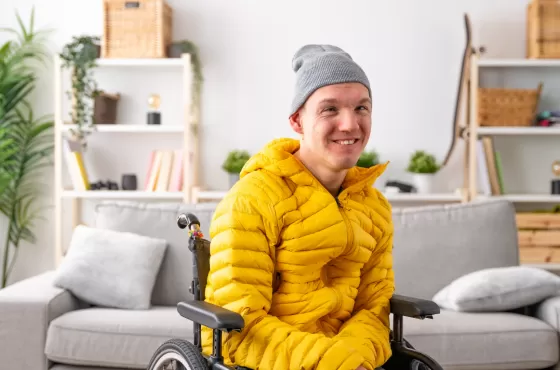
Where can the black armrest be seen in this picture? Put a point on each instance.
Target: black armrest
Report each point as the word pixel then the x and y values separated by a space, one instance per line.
pixel 211 316
pixel 413 307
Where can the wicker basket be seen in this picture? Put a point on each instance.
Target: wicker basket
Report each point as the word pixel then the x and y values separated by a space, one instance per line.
pixel 507 107
pixel 136 29
pixel 543 29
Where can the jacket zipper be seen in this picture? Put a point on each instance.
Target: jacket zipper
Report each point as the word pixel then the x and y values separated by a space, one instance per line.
pixel 349 232
pixel 349 243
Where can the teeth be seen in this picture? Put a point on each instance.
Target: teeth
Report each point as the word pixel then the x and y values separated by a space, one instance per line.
pixel 346 142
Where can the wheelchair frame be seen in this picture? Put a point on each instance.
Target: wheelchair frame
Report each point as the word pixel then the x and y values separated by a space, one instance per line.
pixel 221 320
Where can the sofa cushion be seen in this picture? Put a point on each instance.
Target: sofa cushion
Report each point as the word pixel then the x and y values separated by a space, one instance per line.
pixel 112 337
pixel 461 340
pixel 159 220
pixel 498 289
pixel 457 238
pixel 111 268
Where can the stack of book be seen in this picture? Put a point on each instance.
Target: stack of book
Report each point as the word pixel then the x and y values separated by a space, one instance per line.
pixel 490 168
pixel 74 160
pixel 165 171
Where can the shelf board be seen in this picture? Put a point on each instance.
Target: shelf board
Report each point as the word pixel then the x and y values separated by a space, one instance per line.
pixel 139 62
pixel 400 197
pixel 544 266
pixel 525 198
pixel 519 62
pixel 417 197
pixel 514 130
pixel 133 128
pixel 121 194
pixel 210 194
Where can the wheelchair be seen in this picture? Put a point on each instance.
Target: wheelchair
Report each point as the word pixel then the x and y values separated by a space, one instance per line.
pixel 179 354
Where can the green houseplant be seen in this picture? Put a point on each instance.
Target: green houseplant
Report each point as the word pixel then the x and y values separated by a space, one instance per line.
pixel 7 150
pixel 368 159
pixel 25 140
pixel 234 163
pixel 80 57
pixel 188 47
pixel 423 166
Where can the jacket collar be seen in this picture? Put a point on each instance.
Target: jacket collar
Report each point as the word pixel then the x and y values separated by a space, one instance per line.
pixel 277 157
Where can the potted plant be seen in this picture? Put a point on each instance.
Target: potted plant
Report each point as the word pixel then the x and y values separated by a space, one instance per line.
pixel 234 163
pixel 423 166
pixel 25 141
pixel 368 159
pixel 80 56
pixel 175 50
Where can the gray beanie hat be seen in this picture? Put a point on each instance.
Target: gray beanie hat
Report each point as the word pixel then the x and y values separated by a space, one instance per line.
pixel 321 65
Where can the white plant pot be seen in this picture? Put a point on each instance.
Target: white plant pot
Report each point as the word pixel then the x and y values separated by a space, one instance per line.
pixel 233 178
pixel 424 182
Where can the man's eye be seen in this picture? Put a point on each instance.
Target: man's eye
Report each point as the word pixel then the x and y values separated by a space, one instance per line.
pixel 329 109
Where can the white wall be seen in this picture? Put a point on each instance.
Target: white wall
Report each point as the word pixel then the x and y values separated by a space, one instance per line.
pixel 410 49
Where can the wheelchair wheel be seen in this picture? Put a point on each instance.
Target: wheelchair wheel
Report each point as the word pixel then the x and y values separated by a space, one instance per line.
pixel 177 354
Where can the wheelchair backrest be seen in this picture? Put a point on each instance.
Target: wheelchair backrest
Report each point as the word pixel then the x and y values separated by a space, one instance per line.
pixel 201 264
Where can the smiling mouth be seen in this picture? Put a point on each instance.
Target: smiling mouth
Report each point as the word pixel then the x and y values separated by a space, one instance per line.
pixel 346 142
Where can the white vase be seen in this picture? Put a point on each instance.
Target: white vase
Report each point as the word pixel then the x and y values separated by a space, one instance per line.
pixel 233 178
pixel 424 182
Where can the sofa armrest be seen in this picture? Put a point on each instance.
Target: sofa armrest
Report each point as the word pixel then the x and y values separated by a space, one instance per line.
pixel 26 309
pixel 549 312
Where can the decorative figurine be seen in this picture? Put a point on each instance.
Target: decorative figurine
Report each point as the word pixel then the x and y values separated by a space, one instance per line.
pixel 154 115
pixel 100 185
pixel 555 184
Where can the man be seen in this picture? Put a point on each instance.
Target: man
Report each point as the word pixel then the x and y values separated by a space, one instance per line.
pixel 301 246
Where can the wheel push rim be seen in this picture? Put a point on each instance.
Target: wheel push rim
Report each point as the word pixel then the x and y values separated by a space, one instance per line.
pixel 171 361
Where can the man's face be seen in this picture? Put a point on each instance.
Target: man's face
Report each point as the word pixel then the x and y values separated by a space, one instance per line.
pixel 335 124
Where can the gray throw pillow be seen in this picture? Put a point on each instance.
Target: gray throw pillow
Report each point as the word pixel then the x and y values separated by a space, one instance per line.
pixel 111 269
pixel 498 289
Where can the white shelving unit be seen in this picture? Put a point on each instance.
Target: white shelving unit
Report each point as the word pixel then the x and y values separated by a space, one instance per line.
pixel 513 62
pixel 122 194
pixel 189 143
pixel 144 62
pixel 476 132
pixel 518 131
pixel 133 128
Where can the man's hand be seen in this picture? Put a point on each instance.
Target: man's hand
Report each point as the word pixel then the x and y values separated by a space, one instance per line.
pixel 361 368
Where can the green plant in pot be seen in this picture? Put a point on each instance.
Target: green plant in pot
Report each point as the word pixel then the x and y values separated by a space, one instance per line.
pixel 423 166
pixel 80 57
pixel 175 50
pixel 368 159
pixel 25 140
pixel 234 163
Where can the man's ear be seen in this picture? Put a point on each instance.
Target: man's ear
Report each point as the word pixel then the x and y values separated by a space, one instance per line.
pixel 295 122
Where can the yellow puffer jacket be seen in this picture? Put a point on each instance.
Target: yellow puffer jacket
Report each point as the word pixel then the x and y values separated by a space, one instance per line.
pixel 311 275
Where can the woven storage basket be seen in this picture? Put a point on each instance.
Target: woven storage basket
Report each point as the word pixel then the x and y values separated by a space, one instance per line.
pixel 543 29
pixel 136 29
pixel 507 107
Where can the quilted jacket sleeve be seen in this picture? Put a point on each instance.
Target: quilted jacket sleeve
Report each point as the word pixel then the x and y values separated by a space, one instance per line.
pixel 368 329
pixel 243 237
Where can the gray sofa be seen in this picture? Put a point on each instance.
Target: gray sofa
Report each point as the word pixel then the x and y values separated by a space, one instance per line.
pixel 43 327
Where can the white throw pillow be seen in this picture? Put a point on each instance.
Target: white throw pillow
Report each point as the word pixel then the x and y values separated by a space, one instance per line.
pixel 498 289
pixel 110 268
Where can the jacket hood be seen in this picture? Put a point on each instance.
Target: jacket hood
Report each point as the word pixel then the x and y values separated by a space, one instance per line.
pixel 277 157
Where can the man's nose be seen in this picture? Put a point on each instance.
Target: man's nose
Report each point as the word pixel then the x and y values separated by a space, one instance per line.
pixel 348 121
